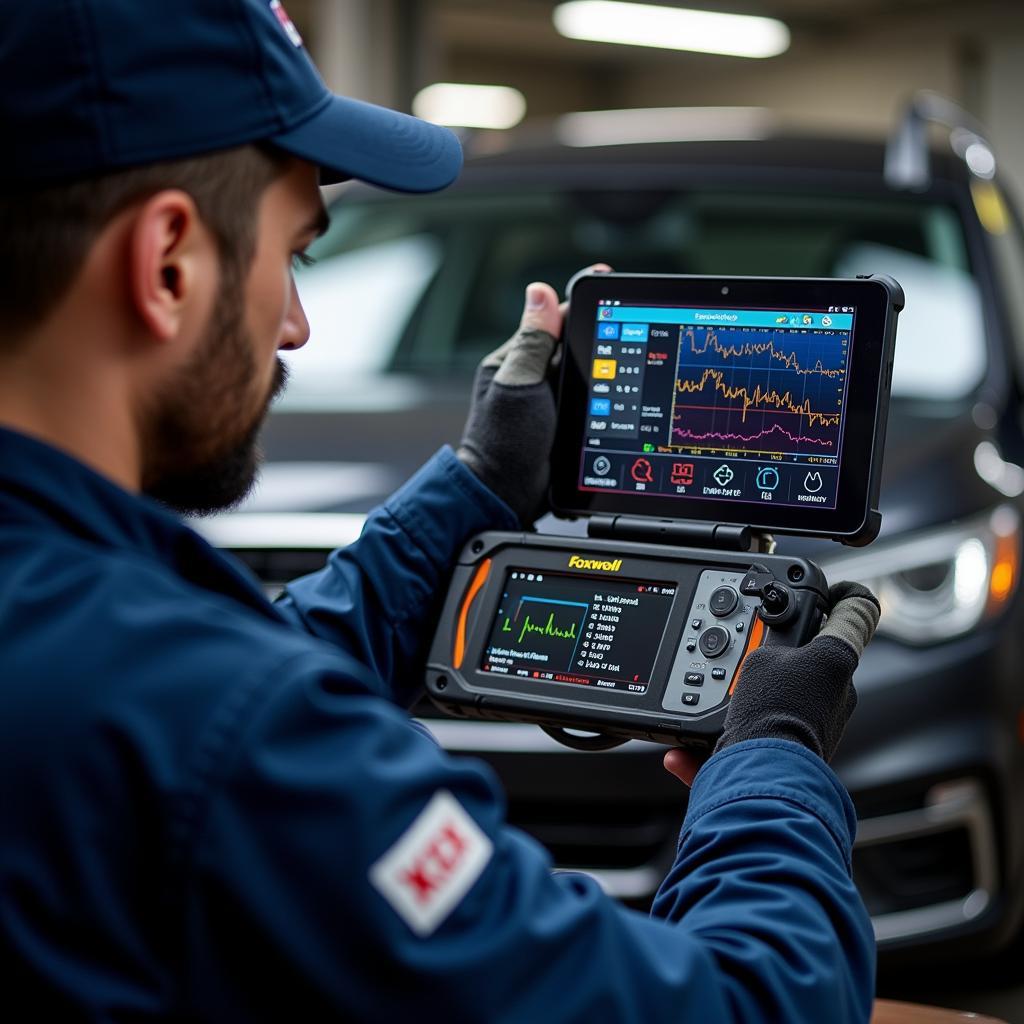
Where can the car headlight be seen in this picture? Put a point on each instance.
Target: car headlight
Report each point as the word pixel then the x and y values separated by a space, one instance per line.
pixel 939 584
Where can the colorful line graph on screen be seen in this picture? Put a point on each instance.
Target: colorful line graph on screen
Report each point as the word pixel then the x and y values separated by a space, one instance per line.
pixel 759 391
pixel 751 347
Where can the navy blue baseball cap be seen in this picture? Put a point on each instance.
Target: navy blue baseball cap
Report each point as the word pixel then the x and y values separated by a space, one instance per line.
pixel 88 86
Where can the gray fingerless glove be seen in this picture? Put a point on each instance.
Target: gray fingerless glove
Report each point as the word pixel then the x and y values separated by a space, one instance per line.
pixel 511 425
pixel 805 694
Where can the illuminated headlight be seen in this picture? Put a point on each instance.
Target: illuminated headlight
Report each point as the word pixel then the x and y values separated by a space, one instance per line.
pixel 937 585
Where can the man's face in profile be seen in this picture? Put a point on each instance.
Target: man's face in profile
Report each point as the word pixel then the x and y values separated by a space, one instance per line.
pixel 200 434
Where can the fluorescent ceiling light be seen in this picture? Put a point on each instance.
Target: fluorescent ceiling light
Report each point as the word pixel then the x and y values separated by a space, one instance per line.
pixel 671 28
pixel 663 124
pixel 470 106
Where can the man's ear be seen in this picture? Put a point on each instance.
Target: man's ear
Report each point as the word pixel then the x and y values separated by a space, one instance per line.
pixel 167 245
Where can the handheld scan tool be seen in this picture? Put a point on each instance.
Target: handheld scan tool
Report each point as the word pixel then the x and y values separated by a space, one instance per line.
pixel 697 416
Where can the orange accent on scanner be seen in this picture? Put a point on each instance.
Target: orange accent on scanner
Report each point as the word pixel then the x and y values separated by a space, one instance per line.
pixel 474 588
pixel 756 639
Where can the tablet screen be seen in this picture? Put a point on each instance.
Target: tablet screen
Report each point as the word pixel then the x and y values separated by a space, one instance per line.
pixel 718 403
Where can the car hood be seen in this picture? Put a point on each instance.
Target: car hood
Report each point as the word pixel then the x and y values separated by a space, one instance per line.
pixel 349 461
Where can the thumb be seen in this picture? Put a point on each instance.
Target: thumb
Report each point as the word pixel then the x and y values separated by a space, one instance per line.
pixel 853 617
pixel 541 312
pixel 528 356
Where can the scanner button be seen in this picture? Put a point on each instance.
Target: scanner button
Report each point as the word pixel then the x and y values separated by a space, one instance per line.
pixel 694 679
pixel 691 698
pixel 754 582
pixel 723 601
pixel 696 623
pixel 775 599
pixel 740 626
pixel 713 642
pixel 691 644
pixel 718 673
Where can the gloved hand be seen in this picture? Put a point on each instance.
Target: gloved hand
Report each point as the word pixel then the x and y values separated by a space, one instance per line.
pixel 511 425
pixel 805 694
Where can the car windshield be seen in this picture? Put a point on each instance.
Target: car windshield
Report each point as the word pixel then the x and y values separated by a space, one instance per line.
pixel 423 287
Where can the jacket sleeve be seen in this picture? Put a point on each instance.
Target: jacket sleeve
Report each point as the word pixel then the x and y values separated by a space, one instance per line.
pixel 378 598
pixel 347 868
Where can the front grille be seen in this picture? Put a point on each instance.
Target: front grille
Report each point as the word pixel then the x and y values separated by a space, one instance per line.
pixel 925 871
pixel 601 835
pixel 917 872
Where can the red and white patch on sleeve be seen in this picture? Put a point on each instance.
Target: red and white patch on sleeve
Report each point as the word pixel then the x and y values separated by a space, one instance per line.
pixel 433 864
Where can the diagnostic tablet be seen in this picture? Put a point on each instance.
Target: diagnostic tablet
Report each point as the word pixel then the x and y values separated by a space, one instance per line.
pixel 753 401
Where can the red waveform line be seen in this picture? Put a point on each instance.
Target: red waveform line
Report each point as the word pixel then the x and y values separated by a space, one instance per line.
pixel 689 435
pixel 783 401
pixel 757 348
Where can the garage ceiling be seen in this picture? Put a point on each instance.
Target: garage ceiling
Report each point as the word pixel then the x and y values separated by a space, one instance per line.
pixel 525 26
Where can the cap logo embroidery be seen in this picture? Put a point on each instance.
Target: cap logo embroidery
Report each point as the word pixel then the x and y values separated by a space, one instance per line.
pixel 286 23
pixel 433 864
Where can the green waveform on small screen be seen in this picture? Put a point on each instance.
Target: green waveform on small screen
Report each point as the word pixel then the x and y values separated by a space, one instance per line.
pixel 548 629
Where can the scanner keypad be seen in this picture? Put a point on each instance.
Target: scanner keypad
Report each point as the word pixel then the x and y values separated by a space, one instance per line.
pixel 714 653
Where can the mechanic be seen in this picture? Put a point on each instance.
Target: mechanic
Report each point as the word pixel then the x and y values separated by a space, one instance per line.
pixel 216 808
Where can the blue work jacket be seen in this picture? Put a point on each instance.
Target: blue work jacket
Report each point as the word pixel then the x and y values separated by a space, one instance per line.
pixel 215 808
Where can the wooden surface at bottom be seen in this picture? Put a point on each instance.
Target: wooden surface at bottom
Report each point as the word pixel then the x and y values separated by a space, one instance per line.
pixel 889 1012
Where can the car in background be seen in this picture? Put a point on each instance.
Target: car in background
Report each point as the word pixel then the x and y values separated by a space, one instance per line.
pixel 410 292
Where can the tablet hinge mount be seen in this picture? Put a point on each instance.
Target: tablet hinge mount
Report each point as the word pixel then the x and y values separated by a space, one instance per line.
pixel 720 536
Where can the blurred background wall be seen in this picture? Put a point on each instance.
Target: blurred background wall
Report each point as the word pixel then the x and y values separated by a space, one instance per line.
pixel 850 65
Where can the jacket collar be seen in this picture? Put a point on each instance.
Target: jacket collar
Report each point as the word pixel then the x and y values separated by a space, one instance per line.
pixel 43 486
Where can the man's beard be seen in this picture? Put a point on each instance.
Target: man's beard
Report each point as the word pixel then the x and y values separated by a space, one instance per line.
pixel 200 436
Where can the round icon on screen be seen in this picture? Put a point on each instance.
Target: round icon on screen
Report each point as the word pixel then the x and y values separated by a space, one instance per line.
pixel 643 471
pixel 767 478
pixel 602 465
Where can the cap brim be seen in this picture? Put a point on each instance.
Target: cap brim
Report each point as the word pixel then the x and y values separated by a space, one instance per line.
pixel 351 139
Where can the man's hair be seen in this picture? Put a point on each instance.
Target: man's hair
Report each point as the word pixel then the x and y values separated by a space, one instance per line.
pixel 46 233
